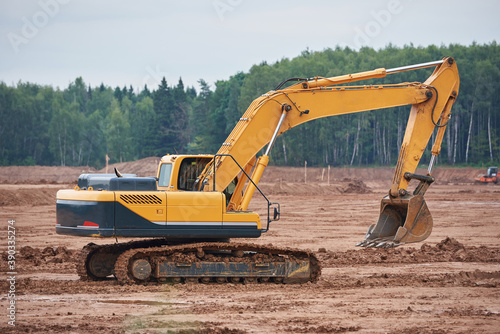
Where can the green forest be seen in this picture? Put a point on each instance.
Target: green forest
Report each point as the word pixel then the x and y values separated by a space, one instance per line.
pixel 80 124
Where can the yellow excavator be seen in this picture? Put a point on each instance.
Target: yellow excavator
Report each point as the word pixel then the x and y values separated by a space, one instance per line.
pixel 197 203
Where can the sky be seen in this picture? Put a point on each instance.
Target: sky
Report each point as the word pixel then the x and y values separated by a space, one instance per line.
pixel 136 43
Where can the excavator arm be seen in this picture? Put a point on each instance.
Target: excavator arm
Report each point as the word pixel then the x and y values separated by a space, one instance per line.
pixel 282 109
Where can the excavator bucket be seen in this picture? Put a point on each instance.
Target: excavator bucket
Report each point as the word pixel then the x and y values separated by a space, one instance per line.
pixel 402 220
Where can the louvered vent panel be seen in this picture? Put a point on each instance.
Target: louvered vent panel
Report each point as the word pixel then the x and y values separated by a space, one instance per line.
pixel 140 199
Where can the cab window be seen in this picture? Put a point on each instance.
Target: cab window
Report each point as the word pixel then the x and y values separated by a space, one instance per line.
pixel 189 170
pixel 164 178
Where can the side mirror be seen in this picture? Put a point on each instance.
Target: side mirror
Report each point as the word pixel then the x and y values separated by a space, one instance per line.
pixel 276 215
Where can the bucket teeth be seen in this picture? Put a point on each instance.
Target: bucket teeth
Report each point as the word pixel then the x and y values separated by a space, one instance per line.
pixel 379 243
pixel 371 244
pixel 366 243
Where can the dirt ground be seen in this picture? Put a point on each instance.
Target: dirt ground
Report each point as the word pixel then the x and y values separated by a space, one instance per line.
pixel 448 284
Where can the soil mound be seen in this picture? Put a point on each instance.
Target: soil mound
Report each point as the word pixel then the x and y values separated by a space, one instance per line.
pixel 49 258
pixel 28 197
pixel 448 250
pixel 346 186
pixel 320 174
pixel 42 174
pixel 60 174
pixel 302 189
pixel 37 256
pixel 450 244
pixel 273 174
pixel 457 175
pixel 355 186
pixel 143 167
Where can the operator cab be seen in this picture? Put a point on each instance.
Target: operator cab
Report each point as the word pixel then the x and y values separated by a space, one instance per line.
pixel 492 171
pixel 179 172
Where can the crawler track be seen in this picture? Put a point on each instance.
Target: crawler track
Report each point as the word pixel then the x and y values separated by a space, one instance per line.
pixel 210 261
pixel 219 262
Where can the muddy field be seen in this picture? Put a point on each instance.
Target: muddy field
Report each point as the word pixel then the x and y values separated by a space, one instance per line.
pixel 448 284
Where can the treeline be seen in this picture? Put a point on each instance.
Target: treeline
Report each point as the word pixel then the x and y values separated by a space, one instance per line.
pixel 81 124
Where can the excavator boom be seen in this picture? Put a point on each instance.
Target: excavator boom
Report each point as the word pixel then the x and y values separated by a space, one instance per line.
pixel 280 110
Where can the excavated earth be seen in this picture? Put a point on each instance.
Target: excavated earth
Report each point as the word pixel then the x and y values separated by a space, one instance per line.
pixel 448 284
